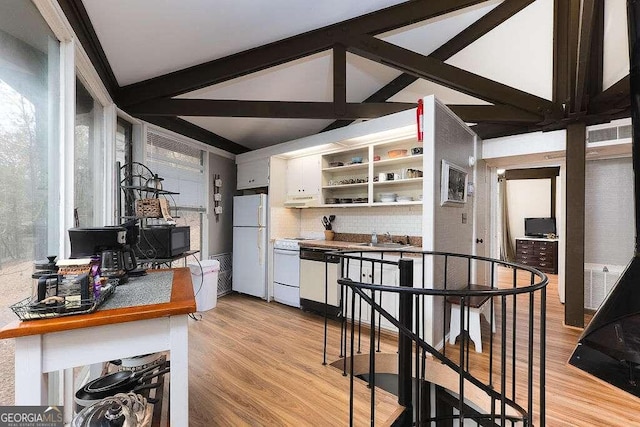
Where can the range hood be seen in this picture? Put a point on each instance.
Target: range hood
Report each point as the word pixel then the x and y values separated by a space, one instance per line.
pixel 609 347
pixel 302 201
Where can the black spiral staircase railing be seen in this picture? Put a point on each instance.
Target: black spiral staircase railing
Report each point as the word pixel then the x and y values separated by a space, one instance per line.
pixel 446 384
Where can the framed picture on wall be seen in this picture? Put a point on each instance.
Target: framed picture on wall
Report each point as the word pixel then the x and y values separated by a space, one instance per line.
pixel 453 185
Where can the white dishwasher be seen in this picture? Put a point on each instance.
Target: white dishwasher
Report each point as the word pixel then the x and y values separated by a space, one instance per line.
pixel 315 266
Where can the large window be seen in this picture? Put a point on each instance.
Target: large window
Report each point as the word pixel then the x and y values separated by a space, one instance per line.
pixel 182 167
pixel 29 153
pixel 88 158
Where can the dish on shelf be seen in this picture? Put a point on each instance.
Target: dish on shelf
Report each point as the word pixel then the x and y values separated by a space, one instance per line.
pixel 345 200
pixel 361 200
pixel 388 197
pixel 356 160
pixel 413 173
pixel 394 154
pixel 335 164
pixel 376 158
pixel 416 150
pixel 331 200
pixel 404 199
pixel 348 181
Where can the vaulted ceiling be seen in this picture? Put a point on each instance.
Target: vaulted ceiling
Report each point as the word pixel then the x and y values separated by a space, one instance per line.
pixel 245 74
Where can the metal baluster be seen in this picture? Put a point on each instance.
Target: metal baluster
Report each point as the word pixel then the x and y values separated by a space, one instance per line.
pixel 463 339
pixel 417 394
pixel 326 311
pixel 530 359
pixel 372 359
pixel 404 342
pixel 353 309
pixel 379 313
pixel 543 353
pixel 469 312
pixel 360 305
pixel 491 326
pixel 503 362
pixel 513 348
pixel 444 308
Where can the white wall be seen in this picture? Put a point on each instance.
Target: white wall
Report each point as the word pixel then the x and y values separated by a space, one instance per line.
pixel 527 198
pixel 609 215
pixel 615 57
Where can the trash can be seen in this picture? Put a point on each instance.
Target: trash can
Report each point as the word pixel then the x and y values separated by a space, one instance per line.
pixel 205 283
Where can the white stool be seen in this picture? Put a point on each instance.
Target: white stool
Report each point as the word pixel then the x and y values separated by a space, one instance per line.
pixel 474 306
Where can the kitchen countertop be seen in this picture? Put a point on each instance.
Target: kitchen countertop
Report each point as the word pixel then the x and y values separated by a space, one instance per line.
pixel 182 302
pixel 342 245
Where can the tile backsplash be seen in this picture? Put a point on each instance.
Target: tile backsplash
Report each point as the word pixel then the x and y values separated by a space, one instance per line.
pixel 397 220
pixel 285 222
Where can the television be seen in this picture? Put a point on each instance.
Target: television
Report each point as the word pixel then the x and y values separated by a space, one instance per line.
pixel 539 227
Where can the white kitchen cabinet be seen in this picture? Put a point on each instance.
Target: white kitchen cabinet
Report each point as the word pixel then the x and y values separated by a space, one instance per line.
pixel 379 274
pixel 387 274
pixel 303 176
pixel 253 174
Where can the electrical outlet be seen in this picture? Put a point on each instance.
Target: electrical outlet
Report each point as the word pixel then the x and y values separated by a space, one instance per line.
pixel 217 197
pixel 217 210
pixel 217 183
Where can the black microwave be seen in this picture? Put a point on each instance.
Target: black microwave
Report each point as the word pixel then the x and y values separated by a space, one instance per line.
pixel 163 242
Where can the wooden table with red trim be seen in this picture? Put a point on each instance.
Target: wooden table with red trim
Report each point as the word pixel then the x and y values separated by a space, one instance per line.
pixel 50 345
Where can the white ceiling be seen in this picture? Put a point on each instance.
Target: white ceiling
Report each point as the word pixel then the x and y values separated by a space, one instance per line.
pixel 148 38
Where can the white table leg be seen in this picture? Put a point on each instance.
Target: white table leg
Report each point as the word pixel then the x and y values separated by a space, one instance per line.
pixel 179 382
pixel 31 383
pixel 69 394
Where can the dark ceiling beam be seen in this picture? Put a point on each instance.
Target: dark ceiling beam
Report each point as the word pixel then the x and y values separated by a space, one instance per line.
pixel 339 80
pixel 280 52
pixel 447 75
pixel 386 92
pixel 78 17
pixel 532 173
pixel 482 26
pixel 561 82
pixel 493 114
pixel 190 130
pixel 587 22
pixel 594 81
pixel 486 130
pixel 264 109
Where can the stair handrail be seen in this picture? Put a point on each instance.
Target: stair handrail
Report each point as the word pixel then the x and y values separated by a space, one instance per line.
pixel 419 341
pixel 463 293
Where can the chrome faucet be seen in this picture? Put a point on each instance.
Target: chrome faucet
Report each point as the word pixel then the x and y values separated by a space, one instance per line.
pixel 374 237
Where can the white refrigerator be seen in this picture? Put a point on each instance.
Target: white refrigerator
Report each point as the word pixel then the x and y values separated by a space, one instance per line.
pixel 250 245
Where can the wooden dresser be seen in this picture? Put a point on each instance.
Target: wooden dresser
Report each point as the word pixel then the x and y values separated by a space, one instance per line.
pixel 538 253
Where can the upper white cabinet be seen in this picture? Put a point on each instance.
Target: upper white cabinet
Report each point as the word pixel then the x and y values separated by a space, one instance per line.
pixel 253 174
pixel 303 176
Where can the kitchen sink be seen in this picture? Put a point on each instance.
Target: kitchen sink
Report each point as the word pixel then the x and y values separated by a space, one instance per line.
pixel 385 245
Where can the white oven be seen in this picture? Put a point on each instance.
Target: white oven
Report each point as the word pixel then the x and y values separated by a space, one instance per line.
pixel 286 272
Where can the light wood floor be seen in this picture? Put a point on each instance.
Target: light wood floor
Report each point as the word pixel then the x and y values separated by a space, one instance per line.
pixel 259 363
